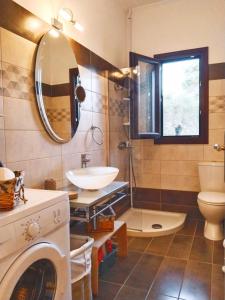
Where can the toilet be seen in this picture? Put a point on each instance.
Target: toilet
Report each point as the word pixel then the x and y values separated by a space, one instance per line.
pixel 211 199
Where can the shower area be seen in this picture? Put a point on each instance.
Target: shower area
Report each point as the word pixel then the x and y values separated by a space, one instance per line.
pixel 124 150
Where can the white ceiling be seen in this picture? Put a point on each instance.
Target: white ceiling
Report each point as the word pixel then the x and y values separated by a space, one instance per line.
pixel 134 3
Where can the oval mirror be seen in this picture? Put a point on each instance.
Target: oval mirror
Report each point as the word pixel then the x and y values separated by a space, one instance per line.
pixel 56 81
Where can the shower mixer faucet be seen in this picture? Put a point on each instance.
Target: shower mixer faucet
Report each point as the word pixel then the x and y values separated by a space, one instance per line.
pixel 125 145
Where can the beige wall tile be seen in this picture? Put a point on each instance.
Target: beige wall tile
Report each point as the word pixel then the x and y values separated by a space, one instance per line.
pixel 152 152
pixel 181 152
pixel 1 105
pixel 116 123
pixel 114 160
pixel 26 145
pixel 1 84
pixel 96 146
pixel 147 143
pixel 38 170
pixel 85 76
pixel 189 168
pixel 80 143
pixel 70 162
pixel 138 153
pixel 216 136
pixel 217 120
pixel 1 123
pixel 85 120
pixel 17 50
pixel 87 104
pixel 217 87
pixel 2 146
pixel 139 143
pixel 21 115
pixel 99 120
pixel 211 154
pixel 99 84
pixel 99 103
pixel 151 166
pixel 45 168
pixel 183 183
pixel 1 113
pixel 149 181
pixel 98 158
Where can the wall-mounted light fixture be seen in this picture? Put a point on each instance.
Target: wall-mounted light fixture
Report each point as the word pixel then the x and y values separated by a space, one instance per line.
pixel 66 14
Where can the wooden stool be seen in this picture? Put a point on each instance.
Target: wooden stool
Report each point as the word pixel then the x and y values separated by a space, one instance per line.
pixel 119 234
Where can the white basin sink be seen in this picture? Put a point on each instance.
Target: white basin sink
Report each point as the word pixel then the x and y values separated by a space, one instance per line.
pixel 92 178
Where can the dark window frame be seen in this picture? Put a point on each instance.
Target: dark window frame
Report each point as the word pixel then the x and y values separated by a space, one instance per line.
pixel 202 54
pixel 134 59
pixel 202 138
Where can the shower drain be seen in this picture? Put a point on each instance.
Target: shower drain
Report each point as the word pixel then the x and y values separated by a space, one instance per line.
pixel 157 226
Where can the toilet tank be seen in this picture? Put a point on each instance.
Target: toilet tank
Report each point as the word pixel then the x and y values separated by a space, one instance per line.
pixel 211 175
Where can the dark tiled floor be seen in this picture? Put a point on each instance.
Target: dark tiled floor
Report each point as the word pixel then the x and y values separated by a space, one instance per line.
pixel 184 266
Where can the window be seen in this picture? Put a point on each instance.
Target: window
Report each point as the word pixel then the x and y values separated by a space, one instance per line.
pixel 170 97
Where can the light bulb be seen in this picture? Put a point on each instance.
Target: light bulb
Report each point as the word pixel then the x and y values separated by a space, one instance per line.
pixel 78 26
pixel 54 33
pixel 32 23
pixel 66 14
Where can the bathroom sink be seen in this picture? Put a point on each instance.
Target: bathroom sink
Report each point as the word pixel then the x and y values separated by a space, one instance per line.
pixel 92 178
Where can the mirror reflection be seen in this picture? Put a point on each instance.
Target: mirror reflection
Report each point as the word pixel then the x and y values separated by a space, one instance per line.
pixel 57 77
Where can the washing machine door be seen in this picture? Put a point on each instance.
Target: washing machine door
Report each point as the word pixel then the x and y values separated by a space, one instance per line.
pixel 37 274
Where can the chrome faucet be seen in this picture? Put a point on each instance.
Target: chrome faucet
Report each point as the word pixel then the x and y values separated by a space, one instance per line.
pixel 84 160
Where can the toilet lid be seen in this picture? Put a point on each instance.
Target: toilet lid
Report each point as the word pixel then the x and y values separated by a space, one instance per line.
pixel 212 197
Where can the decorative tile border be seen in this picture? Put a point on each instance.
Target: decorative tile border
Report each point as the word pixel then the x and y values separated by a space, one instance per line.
pixel 117 107
pixel 217 104
pixel 17 82
pixel 58 115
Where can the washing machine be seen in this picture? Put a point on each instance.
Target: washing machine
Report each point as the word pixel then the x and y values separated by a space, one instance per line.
pixel 34 248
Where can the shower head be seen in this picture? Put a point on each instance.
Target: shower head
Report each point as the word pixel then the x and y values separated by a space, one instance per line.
pixel 126 71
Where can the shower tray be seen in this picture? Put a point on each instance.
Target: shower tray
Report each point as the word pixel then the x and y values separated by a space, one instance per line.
pixel 149 223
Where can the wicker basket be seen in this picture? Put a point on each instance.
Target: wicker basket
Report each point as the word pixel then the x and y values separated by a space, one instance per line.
pixel 12 191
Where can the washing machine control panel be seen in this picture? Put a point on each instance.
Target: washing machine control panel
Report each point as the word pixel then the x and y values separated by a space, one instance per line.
pixel 44 222
pixel 30 228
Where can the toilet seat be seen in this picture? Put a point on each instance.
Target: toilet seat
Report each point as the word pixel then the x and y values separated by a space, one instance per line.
pixel 212 198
